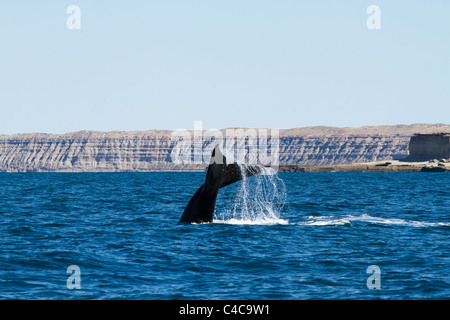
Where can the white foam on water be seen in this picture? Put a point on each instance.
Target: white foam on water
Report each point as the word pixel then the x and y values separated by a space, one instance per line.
pixel 351 219
pixel 262 222
pixel 324 221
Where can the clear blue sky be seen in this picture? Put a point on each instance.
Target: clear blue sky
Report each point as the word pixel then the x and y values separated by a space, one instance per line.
pixel 139 65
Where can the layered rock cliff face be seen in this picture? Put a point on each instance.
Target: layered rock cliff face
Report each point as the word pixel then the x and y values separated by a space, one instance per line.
pixel 429 146
pixel 88 151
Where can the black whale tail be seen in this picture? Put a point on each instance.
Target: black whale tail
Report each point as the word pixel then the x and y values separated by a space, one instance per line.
pixel 200 208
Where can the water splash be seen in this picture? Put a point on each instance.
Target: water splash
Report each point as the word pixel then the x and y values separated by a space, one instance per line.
pixel 258 200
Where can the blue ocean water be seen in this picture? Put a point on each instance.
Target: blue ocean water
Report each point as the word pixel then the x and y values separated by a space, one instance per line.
pixel 295 236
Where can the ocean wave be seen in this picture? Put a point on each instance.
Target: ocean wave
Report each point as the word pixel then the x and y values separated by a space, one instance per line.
pixel 367 219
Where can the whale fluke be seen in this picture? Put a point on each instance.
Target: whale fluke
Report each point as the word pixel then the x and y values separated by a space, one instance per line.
pixel 233 172
pixel 200 209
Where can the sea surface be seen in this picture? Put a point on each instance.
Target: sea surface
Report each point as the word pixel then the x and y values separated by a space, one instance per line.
pixel 284 236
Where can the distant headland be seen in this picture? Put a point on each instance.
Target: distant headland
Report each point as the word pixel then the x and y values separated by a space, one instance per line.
pixel 428 152
pixel 308 149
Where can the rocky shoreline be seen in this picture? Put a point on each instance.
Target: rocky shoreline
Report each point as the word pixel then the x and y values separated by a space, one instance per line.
pixel 442 165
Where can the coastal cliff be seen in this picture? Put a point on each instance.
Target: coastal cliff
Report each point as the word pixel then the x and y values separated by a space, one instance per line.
pixel 90 151
pixel 429 146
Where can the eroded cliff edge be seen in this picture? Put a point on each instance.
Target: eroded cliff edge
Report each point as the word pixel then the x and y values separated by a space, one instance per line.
pixel 90 151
